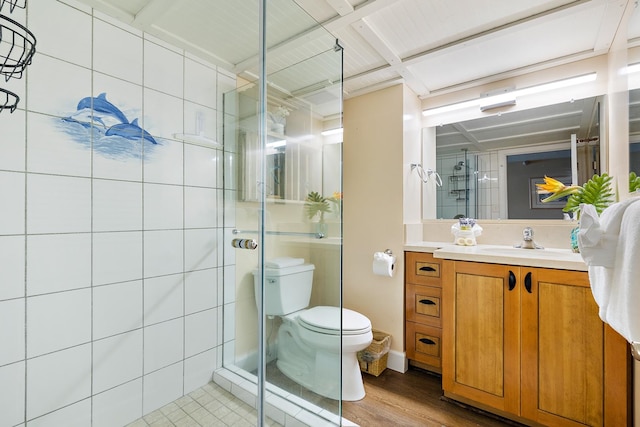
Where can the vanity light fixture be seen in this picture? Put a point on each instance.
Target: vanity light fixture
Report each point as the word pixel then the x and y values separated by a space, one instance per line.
pixel 331 132
pixel 508 98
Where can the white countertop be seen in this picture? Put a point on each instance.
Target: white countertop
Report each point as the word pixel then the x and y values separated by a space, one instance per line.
pixel 548 258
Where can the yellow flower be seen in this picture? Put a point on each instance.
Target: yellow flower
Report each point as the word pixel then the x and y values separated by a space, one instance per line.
pixel 337 195
pixel 556 188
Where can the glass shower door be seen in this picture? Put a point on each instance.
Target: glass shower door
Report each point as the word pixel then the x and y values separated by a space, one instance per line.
pixel 283 192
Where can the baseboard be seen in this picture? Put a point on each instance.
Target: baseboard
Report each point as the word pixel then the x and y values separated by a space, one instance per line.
pixel 397 361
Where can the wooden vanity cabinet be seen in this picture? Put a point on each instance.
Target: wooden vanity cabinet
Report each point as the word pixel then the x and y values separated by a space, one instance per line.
pixel 423 298
pixel 528 344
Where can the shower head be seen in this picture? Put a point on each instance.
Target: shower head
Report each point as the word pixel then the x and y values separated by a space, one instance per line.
pixel 459 165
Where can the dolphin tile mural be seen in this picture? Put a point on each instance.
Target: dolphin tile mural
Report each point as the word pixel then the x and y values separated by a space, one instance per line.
pixel 113 134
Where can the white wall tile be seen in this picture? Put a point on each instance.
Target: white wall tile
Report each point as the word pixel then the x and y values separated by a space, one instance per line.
pixel 58 321
pixel 57 40
pixel 58 379
pixel 12 321
pixel 118 406
pixel 76 415
pixel 200 249
pixel 198 370
pixel 200 332
pixel 117 257
pixel 117 52
pixel 163 162
pixel 162 387
pixel 200 83
pixel 56 99
pixel 52 150
pixel 117 205
pixel 163 69
pixel 12 266
pixel 13 144
pixel 163 252
pixel 229 324
pixel 163 298
pixel 200 166
pixel 200 207
pixel 163 344
pixel 117 360
pixel 58 262
pixel 162 114
pixel 12 386
pixel 162 206
pixel 200 290
pixel 58 204
pixel 12 196
pixel 201 120
pixel 117 308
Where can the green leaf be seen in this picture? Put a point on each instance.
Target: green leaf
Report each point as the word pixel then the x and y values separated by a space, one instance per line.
pixel 315 204
pixel 634 182
pixel 597 192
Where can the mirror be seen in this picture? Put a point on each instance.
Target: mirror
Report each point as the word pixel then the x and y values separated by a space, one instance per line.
pixel 489 166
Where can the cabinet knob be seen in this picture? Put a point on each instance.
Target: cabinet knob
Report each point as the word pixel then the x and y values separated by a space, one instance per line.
pixel 512 280
pixel 427 341
pixel 527 282
pixel 427 302
pixel 427 268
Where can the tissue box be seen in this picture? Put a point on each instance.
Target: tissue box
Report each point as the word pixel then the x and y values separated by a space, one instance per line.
pixel 373 359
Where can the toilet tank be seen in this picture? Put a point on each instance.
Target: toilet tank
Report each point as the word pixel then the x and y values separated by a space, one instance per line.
pixel 286 289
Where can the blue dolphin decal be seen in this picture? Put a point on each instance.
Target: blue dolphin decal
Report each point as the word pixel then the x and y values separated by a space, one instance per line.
pixel 101 105
pixel 130 131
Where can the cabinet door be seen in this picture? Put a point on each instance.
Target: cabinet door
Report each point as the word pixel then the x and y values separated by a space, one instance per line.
pixel 481 334
pixel 562 350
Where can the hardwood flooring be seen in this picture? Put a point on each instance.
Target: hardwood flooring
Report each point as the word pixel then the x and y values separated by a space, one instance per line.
pixel 412 399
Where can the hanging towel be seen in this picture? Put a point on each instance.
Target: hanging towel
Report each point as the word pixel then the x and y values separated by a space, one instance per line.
pixel 616 285
pixel 283 262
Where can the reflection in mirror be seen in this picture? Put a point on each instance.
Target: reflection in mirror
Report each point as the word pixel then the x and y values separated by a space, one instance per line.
pixel 634 131
pixel 489 166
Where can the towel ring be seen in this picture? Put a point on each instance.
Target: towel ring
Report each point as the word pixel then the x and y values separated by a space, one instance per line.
pixel 426 174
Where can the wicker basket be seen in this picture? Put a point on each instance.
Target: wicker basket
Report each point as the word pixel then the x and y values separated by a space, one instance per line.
pixel 373 359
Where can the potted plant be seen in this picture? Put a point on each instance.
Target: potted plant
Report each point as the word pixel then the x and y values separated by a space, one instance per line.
pixel 317 205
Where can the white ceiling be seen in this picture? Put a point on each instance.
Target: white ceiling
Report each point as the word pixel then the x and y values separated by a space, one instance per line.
pixel 433 46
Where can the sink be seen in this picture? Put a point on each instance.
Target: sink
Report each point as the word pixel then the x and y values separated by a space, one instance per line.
pixel 520 252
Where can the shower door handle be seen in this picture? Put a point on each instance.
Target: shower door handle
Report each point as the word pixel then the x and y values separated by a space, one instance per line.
pixel 244 243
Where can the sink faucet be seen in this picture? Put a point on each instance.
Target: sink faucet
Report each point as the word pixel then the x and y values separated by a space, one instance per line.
pixel 527 240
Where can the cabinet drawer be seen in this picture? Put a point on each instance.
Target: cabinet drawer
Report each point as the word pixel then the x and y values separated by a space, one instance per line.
pixel 424 344
pixel 422 268
pixel 423 304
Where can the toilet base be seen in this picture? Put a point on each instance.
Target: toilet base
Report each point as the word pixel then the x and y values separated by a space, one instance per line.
pixel 319 371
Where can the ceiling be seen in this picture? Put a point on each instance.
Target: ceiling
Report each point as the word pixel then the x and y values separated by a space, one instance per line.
pixel 430 45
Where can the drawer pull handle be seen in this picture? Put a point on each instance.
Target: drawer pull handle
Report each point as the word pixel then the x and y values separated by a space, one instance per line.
pixel 427 341
pixel 427 268
pixel 527 282
pixel 512 280
pixel 427 302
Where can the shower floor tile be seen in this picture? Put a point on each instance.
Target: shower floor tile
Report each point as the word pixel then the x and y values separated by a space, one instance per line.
pixel 208 406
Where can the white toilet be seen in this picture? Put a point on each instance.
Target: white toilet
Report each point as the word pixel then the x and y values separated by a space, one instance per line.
pixel 309 339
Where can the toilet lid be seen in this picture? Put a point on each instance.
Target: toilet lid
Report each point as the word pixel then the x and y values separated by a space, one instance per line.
pixel 326 320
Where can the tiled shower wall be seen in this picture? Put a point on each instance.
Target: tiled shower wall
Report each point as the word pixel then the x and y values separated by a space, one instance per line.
pixel 110 257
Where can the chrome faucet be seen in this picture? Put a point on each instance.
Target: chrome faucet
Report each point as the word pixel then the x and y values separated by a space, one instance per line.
pixel 527 240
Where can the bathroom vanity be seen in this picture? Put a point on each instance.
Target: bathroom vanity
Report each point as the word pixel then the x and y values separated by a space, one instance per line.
pixel 521 339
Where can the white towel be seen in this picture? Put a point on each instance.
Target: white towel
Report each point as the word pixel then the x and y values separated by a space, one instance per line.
pixel 283 262
pixel 616 288
pixel 598 237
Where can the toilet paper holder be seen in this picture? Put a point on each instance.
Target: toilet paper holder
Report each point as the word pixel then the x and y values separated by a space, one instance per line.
pixel 388 252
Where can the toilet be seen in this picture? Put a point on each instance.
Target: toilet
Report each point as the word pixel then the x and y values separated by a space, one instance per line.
pixel 309 345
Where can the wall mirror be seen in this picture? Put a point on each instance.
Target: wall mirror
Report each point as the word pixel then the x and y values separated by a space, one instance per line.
pixel 489 166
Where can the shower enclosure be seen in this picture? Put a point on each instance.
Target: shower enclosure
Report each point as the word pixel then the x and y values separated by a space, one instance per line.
pixel 283 191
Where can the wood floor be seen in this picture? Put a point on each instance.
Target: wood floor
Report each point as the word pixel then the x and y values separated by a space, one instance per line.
pixel 412 399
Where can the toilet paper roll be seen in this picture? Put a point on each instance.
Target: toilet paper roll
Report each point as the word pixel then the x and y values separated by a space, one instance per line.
pixel 383 264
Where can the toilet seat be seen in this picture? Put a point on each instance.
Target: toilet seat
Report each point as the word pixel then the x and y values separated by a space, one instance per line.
pixel 326 320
